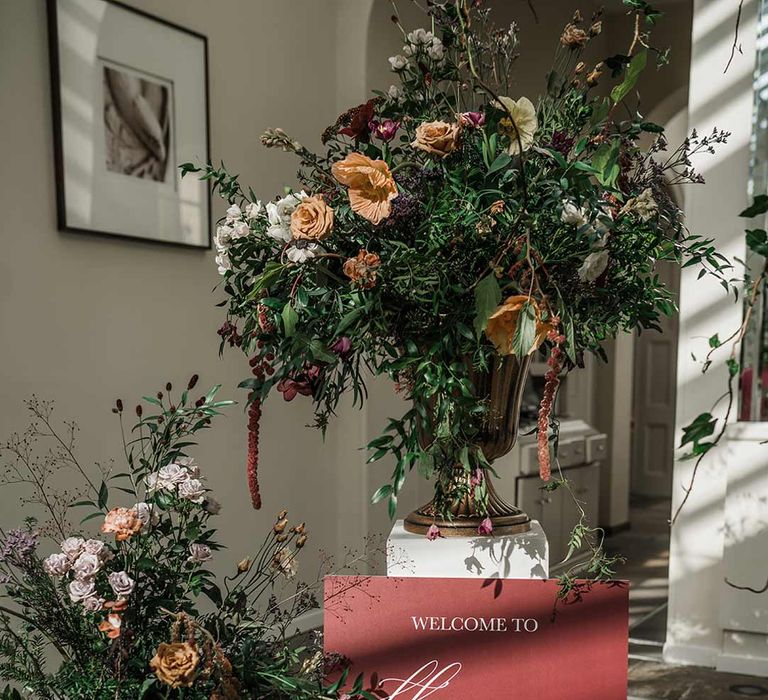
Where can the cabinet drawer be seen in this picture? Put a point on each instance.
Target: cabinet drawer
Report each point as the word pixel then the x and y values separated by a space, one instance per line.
pixel 596 448
pixel 571 453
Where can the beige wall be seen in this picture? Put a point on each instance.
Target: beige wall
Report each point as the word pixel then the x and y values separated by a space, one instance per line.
pixel 85 319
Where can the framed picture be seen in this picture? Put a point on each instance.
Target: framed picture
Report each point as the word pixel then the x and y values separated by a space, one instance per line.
pixel 130 104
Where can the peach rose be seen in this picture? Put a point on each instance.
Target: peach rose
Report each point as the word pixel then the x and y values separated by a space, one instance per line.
pixel 371 186
pixel 362 270
pixel 312 220
pixel 437 138
pixel 124 522
pixel 175 664
pixel 503 323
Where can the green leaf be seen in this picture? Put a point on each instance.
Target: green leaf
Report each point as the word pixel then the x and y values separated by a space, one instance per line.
pixel 606 162
pixel 290 317
pixel 103 495
pixel 600 111
pixel 381 493
pixel 320 352
pixel 501 162
pixel 525 333
pixel 714 341
pixel 757 241
pixel 487 298
pixel 759 206
pixel 634 69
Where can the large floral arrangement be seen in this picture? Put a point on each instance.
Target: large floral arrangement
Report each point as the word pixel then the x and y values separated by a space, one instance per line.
pixel 449 222
pixel 124 604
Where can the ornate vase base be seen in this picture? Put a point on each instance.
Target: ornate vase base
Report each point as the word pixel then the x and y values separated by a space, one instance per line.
pixel 513 523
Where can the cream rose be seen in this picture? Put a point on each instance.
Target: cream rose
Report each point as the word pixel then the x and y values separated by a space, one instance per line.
pixel 437 138
pixel 312 220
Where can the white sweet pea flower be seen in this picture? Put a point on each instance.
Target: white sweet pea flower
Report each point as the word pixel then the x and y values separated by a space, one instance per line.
pixel 523 125
pixel 398 63
pixel 121 583
pixel 223 237
pixel 303 251
pixel 254 210
pixel 234 213
pixel 80 590
pixel 279 215
pixel 199 553
pixel 594 265
pixel 223 263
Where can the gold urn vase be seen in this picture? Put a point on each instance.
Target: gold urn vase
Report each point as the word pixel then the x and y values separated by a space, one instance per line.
pixel 502 387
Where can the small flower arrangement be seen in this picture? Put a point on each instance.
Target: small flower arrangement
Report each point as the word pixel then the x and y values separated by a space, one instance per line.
pixel 449 223
pixel 122 607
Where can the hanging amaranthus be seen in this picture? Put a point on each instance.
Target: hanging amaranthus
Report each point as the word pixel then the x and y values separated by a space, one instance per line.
pixel 551 383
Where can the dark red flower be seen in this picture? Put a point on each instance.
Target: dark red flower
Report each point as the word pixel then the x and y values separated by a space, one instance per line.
pixel 361 117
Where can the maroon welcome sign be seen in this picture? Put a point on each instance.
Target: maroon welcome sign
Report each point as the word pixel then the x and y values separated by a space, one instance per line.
pixel 464 639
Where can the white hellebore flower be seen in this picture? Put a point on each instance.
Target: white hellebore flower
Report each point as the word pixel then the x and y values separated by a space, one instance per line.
pixel 73 547
pixel 279 215
pixel 56 564
pixel 593 266
pixel 573 215
pixel 303 251
pixel 522 127
pixel 234 213
pixel 192 490
pixel 199 553
pixel 80 590
pixel 121 583
pixel 254 210
pixel 86 567
pixel 146 513
pixel 398 62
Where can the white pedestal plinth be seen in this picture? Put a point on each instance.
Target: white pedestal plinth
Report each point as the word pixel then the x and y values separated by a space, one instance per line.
pixel 505 556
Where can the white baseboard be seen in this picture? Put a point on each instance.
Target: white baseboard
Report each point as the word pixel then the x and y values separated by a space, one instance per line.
pixel 690 655
pixel 745 665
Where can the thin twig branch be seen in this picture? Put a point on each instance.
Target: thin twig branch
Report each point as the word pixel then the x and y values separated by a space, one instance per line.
pixel 735 47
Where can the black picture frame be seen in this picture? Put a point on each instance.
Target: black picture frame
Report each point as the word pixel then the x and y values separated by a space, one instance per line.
pixel 58 139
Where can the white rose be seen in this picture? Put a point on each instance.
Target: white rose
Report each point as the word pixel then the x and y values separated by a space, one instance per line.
pixel 80 590
pixel 199 553
pixel 192 490
pixel 122 585
pixel 420 37
pixel 93 603
pixel 435 50
pixel 97 548
pixel 234 213
pixel 171 475
pixel 398 62
pixel 394 93
pixel 190 465
pixel 594 265
pixel 56 564
pixel 86 566
pixel 73 546
pixel 146 513
pixel 409 51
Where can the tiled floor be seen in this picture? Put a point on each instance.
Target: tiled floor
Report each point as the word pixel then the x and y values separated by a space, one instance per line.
pixel 646 548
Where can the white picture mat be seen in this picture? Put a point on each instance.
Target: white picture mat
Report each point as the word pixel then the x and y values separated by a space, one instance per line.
pixel 91 32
